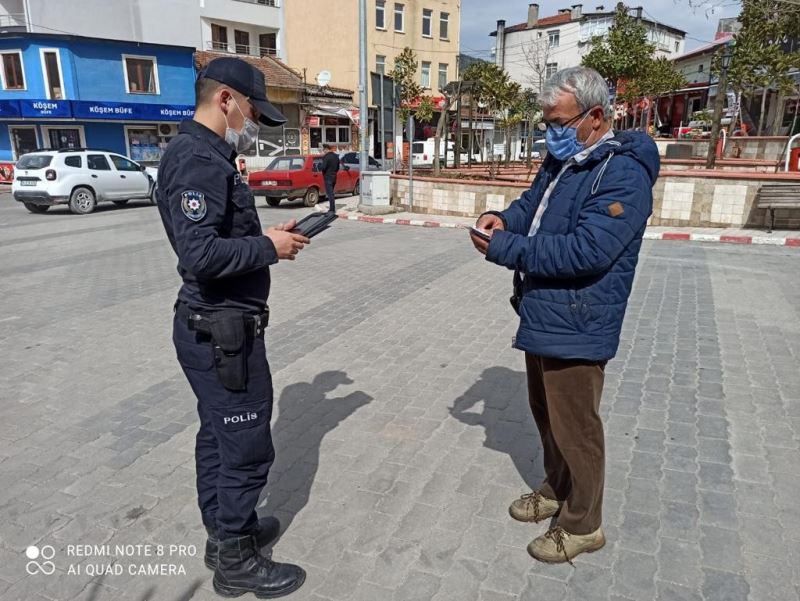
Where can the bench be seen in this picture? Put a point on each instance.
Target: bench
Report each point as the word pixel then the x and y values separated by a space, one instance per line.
pixel 777 196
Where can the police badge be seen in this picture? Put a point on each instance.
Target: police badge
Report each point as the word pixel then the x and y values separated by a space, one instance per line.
pixel 194 205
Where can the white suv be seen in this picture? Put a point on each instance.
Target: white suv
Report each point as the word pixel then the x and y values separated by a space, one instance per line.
pixel 80 178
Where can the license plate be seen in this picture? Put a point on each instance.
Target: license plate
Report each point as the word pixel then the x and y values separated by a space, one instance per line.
pixel 25 182
pixel 269 182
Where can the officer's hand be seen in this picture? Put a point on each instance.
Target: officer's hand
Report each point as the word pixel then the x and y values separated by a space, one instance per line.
pixel 488 223
pixel 286 243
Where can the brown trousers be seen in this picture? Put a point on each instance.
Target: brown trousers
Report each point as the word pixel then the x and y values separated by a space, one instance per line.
pixel 564 395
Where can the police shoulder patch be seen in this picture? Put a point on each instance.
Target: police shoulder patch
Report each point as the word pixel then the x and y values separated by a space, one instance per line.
pixel 193 204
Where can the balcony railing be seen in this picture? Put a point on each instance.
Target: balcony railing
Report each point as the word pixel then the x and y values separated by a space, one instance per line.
pixel 13 20
pixel 247 50
pixel 273 3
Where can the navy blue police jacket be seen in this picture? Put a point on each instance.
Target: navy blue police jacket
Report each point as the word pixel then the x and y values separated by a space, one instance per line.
pixel 578 268
pixel 210 217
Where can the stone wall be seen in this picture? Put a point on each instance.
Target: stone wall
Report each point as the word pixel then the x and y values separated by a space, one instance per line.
pixel 680 198
pixel 764 148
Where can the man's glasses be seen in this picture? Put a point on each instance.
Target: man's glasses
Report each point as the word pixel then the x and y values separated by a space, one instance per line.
pixel 559 128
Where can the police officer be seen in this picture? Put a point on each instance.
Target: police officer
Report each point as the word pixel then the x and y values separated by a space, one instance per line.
pixel 210 218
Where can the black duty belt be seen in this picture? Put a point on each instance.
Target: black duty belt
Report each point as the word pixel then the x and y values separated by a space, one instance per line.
pixel 254 324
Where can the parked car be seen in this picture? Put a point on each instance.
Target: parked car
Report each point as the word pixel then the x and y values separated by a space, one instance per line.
pixel 422 153
pixel 289 178
pixel 538 150
pixel 79 178
pixel 351 160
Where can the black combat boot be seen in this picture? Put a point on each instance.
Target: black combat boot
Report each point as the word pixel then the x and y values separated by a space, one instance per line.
pixel 242 569
pixel 266 531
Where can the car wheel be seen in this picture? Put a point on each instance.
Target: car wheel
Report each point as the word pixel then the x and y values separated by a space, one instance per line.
pixel 120 203
pixel 357 189
pixel 273 202
pixel 311 198
pixel 82 201
pixel 34 208
pixel 153 199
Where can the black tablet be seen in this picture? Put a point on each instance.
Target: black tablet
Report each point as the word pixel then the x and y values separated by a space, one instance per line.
pixel 313 224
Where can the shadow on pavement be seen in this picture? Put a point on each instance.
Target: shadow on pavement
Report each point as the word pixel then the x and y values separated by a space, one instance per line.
pixel 506 419
pixel 307 414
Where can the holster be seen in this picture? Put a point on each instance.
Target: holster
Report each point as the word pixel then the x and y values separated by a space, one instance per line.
pixel 227 329
pixel 517 292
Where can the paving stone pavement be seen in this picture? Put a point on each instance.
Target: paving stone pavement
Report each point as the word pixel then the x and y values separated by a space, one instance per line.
pixel 401 426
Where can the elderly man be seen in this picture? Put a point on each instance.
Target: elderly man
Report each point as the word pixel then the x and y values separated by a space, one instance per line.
pixel 574 239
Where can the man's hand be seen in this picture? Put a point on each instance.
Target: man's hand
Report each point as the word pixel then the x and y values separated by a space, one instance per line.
pixel 286 243
pixel 488 223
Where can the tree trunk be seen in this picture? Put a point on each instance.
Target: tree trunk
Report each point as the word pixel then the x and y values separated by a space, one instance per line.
pixel 437 166
pixel 763 107
pixel 508 146
pixel 778 120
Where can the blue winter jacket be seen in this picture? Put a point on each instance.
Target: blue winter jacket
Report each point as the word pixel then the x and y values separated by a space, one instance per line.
pixel 578 269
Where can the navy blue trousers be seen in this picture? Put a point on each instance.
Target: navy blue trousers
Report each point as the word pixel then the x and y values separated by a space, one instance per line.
pixel 330 185
pixel 233 450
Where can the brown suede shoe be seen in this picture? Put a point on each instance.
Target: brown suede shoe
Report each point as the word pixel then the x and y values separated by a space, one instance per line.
pixel 559 546
pixel 533 507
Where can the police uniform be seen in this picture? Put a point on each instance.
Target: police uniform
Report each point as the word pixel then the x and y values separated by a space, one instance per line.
pixel 210 218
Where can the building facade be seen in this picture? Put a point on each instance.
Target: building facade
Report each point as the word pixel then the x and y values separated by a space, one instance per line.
pixel 532 51
pixel 64 91
pixel 250 27
pixel 429 27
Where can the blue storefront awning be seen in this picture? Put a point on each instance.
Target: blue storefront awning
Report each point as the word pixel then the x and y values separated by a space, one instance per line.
pixel 52 109
pixel 93 110
pixel 9 109
pixel 82 109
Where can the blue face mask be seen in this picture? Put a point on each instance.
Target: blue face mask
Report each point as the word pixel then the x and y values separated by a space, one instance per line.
pixel 562 142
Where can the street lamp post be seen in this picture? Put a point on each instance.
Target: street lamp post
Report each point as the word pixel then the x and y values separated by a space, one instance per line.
pixel 719 101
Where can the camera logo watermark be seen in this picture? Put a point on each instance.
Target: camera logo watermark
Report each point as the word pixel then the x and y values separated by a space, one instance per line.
pixel 35 567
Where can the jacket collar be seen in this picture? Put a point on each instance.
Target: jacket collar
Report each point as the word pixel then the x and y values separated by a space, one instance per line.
pixel 198 130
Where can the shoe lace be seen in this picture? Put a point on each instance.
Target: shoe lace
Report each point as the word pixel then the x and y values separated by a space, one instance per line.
pixel 558 535
pixel 533 499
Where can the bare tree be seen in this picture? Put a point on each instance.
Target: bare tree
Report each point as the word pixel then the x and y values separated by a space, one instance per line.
pixel 537 55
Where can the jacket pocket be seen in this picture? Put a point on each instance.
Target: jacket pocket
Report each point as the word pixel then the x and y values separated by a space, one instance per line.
pixel 244 213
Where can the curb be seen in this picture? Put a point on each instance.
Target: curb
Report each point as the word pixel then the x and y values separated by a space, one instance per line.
pixel 671 236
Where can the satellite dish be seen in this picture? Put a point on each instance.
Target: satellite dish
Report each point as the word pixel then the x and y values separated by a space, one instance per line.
pixel 323 78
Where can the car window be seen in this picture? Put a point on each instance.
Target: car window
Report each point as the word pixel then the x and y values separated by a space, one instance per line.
pixel 98 162
pixel 350 157
pixel 73 160
pixel 373 162
pixel 34 161
pixel 123 164
pixel 418 148
pixel 286 164
pixel 317 165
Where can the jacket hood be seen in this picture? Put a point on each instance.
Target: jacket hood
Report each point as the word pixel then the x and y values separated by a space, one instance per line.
pixel 641 148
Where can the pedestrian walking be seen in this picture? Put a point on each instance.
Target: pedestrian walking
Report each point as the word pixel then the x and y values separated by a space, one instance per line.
pixel 210 218
pixel 573 240
pixel 330 167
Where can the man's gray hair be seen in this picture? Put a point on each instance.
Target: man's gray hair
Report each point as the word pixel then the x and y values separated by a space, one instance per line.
pixel 588 86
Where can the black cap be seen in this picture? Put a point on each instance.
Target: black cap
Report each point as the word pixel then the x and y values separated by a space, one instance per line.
pixel 245 79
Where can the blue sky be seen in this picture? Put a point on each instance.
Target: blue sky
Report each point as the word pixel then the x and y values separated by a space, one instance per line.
pixel 479 17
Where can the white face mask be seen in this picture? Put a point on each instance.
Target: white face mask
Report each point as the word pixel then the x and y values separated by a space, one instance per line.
pixel 243 139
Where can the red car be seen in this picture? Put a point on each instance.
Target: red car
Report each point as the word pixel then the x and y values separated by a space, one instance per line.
pixel 300 177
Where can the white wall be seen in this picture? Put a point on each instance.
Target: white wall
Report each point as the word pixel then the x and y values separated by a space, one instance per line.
pixel 525 47
pixel 690 67
pixel 175 22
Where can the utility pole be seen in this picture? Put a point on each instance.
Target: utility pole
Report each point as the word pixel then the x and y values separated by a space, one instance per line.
pixel 363 122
